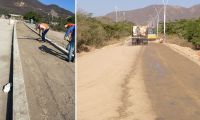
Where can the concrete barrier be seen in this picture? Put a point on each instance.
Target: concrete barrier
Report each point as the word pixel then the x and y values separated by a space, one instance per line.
pixel 20 103
pixel 50 41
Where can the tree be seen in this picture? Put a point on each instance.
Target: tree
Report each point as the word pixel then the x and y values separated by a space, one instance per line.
pixel 32 15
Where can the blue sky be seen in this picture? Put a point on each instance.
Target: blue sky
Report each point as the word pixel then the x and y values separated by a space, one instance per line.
pixel 102 7
pixel 67 4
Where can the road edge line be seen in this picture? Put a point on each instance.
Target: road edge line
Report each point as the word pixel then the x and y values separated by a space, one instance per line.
pixel 20 104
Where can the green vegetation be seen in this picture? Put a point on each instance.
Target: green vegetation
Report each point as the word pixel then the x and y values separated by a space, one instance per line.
pixel 55 23
pixel 4 12
pixel 59 23
pixel 187 29
pixel 33 15
pixel 96 33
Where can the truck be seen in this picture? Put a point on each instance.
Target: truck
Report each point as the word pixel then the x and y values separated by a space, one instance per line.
pixel 142 34
pixel 139 35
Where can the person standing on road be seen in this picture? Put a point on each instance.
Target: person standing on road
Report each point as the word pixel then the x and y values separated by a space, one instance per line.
pixel 67 26
pixel 70 23
pixel 44 28
pixel 70 37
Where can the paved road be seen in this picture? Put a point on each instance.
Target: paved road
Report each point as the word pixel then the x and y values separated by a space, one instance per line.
pixel 172 82
pixel 57 37
pixel 5 48
pixel 129 83
pixel 49 79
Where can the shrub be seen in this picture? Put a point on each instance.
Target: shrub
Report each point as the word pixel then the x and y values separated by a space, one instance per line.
pixel 96 32
pixel 187 29
pixel 33 15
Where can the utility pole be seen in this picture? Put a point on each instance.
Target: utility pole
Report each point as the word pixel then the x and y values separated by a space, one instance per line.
pixel 116 14
pixel 124 13
pixel 165 2
pixel 158 18
pixel 152 21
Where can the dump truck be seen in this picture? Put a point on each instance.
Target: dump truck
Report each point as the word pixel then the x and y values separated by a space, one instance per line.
pixel 142 34
pixel 139 35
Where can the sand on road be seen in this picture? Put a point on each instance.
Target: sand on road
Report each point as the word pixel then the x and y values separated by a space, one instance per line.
pixel 110 85
pixel 151 82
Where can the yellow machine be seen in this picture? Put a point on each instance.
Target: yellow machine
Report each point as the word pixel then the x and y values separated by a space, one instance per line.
pixel 143 34
pixel 151 35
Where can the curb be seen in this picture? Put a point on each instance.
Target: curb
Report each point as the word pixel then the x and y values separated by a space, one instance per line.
pixel 20 104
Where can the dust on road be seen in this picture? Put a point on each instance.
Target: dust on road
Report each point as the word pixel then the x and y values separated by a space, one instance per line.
pixel 49 79
pixel 110 85
pixel 151 82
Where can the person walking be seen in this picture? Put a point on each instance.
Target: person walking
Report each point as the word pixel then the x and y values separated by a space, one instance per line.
pixel 44 27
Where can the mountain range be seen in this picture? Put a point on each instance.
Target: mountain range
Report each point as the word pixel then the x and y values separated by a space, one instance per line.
pixel 23 6
pixel 143 15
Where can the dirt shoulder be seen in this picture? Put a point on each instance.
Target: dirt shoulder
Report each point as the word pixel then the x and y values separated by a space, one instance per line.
pixel 113 42
pixel 191 54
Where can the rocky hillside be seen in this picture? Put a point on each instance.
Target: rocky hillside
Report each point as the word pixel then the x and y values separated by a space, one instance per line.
pixel 24 6
pixel 143 15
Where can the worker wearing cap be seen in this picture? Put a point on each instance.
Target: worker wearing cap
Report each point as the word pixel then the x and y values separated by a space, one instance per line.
pixel 70 37
pixel 44 28
pixel 70 23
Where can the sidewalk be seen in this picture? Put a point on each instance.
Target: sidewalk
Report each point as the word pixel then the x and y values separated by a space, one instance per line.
pixel 5 48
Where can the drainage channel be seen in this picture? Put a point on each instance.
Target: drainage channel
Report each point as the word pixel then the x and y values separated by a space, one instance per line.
pixel 17 105
pixel 9 112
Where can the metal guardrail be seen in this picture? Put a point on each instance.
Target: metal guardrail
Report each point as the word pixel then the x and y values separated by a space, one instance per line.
pixel 50 41
pixel 20 103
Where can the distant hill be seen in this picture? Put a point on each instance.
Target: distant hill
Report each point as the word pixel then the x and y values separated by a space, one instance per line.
pixel 24 6
pixel 142 16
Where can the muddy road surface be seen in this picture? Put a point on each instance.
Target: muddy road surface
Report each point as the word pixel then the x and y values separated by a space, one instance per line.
pixel 123 82
pixel 49 78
